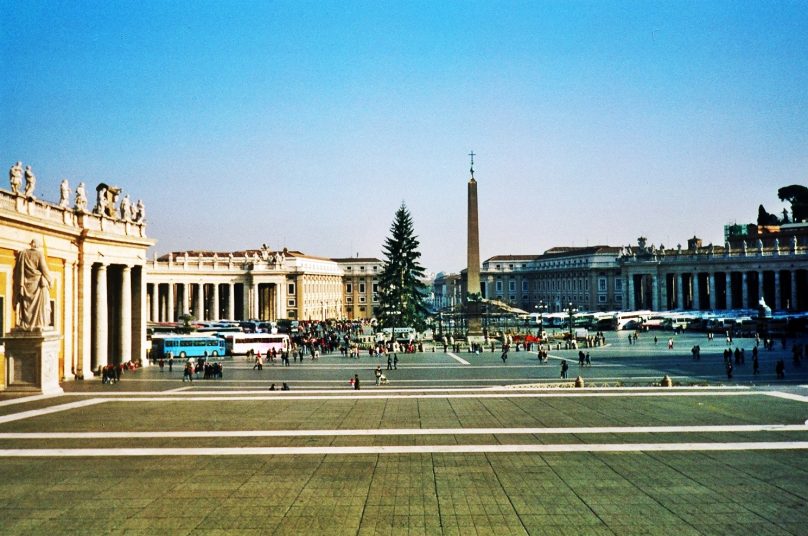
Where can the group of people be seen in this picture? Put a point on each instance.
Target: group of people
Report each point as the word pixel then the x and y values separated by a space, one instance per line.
pixel 112 373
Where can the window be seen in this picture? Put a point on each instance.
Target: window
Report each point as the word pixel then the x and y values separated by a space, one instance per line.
pixel 290 289
pixel 602 284
pixel 525 285
pixel 362 299
pixel 349 300
pixel 618 284
pixel 511 286
pixel 375 287
pixel 499 286
pixel 601 298
pixel 290 302
pixel 349 288
pixel 361 288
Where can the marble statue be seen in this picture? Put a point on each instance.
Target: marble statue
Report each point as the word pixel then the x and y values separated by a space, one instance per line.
pixel 140 212
pixel 30 182
pixel 15 178
pixel 126 208
pixel 81 198
pixel 101 202
pixel 31 283
pixel 64 194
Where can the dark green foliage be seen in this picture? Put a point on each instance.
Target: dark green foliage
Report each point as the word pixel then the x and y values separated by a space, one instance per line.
pixel 401 290
pixel 797 195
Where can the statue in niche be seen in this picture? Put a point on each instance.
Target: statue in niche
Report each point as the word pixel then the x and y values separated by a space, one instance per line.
pixel 31 283
pixel 30 182
pixel 81 198
pixel 64 194
pixel 15 178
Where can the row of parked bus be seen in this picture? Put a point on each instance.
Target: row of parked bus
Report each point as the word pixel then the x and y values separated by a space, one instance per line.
pixel 217 345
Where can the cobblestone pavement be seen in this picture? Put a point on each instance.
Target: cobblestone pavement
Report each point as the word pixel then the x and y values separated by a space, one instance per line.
pixel 445 448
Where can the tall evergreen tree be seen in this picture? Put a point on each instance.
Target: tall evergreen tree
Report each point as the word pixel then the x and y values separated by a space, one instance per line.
pixel 401 291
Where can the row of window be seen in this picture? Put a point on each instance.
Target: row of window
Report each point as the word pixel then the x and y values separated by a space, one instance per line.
pixel 349 288
pixel 556 284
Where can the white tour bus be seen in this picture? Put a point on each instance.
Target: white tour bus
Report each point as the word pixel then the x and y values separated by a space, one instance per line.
pixel 252 343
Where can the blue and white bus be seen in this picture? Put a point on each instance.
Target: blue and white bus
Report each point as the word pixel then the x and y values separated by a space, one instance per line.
pixel 183 346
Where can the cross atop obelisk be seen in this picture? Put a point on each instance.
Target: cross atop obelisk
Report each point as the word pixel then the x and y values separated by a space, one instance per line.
pixel 471 154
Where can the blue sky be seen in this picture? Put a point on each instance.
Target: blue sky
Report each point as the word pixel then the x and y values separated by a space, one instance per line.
pixel 306 124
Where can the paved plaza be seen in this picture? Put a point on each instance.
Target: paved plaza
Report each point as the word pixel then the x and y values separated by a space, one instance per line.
pixel 456 443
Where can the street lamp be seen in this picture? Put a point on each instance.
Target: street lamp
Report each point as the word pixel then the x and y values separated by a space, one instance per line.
pixel 571 310
pixel 541 308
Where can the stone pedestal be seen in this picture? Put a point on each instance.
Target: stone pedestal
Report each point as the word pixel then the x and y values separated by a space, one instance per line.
pixel 32 361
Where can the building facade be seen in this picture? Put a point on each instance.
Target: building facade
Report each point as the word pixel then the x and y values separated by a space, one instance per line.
pixel 96 258
pixel 250 284
pixel 587 277
pixel 360 286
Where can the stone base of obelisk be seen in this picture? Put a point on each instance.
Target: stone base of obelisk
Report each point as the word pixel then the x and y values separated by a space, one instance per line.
pixel 474 334
pixel 32 361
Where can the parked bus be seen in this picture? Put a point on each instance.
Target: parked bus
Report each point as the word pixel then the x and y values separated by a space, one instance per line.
pixel 183 346
pixel 252 343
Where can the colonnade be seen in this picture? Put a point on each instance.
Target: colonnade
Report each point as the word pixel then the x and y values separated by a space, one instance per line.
pixel 169 301
pixel 116 325
pixel 782 289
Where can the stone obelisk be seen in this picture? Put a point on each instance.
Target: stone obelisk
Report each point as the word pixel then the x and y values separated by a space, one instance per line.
pixel 473 297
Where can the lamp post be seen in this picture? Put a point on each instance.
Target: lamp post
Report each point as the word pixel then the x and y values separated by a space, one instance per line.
pixel 571 310
pixel 541 308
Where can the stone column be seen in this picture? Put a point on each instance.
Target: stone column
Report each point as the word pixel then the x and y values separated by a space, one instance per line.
pixel 84 368
pixel 101 320
pixel 231 302
pixel 214 312
pixel 170 303
pixel 255 313
pixel 728 277
pixel 69 326
pixel 745 290
pixel 125 316
pixel 155 302
pixel 778 301
pixel 696 293
pixel 680 291
pixel 140 314
pixel 794 303
pixel 654 292
pixel 199 301
pixel 711 284
pixel 186 298
pixel 630 291
pixel 760 286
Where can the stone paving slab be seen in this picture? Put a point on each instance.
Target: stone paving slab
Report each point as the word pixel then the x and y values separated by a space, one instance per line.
pixel 648 492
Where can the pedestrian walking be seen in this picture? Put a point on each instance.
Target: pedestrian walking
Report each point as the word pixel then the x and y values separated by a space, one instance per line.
pixel 378 373
pixel 564 368
pixel 504 356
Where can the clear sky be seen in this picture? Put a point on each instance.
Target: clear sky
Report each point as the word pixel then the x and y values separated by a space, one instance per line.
pixel 306 124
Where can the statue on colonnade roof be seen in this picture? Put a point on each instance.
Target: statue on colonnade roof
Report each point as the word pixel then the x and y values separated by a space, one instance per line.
pixel 15 178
